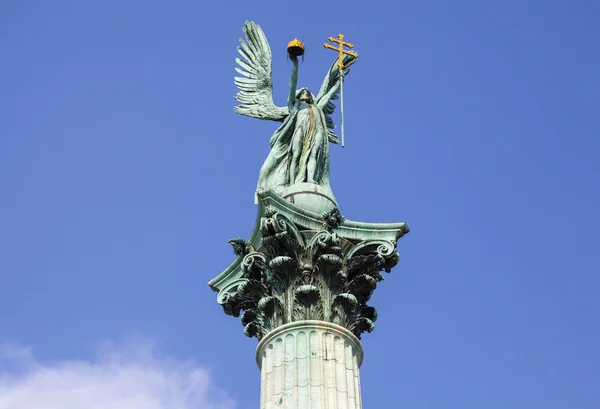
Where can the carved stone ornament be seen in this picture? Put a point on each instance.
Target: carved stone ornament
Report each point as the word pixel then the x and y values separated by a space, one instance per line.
pixel 302 265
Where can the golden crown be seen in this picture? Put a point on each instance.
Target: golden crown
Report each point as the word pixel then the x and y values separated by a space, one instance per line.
pixel 295 47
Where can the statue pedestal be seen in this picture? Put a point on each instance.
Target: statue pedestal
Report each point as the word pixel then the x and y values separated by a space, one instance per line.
pixel 310 364
pixel 310 196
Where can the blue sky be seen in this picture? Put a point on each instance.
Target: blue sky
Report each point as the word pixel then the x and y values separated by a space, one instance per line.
pixel 124 171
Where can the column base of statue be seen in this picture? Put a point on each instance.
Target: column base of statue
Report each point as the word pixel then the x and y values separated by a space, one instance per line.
pixel 310 365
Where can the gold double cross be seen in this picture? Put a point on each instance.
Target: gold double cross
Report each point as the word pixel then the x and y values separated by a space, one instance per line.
pixel 340 49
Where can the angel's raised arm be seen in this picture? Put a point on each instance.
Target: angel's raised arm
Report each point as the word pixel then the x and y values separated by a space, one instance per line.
pixel 293 84
pixel 331 94
pixel 331 83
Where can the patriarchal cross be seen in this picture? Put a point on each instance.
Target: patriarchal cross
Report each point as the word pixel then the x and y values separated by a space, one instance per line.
pixel 342 51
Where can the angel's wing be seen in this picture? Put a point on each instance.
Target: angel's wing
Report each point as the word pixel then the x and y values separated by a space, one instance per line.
pixel 330 89
pixel 256 87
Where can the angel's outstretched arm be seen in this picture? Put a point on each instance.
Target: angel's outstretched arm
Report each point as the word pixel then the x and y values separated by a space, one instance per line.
pixel 334 90
pixel 293 84
pixel 331 83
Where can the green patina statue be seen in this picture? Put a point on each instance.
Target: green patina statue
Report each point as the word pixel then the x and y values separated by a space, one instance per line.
pixel 300 146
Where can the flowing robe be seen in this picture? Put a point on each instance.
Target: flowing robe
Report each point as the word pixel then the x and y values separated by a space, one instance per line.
pixel 305 127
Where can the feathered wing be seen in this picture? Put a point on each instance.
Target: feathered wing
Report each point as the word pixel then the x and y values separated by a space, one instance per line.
pixel 331 81
pixel 256 87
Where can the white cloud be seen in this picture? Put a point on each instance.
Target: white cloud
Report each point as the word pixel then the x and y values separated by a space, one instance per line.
pixel 121 377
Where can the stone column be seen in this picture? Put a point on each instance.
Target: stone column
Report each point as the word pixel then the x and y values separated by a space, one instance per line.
pixel 310 365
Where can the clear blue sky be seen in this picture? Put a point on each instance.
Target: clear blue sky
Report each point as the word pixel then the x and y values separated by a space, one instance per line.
pixel 124 171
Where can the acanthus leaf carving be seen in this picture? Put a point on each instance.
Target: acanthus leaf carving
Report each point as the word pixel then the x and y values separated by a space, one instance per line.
pixel 253 329
pixel 308 304
pixel 241 247
pixel 308 275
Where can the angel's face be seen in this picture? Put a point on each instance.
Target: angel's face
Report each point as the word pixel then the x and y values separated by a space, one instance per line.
pixel 305 96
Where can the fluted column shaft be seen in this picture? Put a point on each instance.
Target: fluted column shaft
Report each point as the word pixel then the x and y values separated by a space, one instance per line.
pixel 310 365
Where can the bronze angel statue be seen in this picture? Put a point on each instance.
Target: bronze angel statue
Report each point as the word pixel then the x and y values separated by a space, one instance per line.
pixel 300 146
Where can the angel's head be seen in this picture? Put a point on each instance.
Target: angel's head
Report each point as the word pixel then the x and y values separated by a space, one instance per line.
pixel 304 95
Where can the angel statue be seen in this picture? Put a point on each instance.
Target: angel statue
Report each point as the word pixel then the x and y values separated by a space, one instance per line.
pixel 300 146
